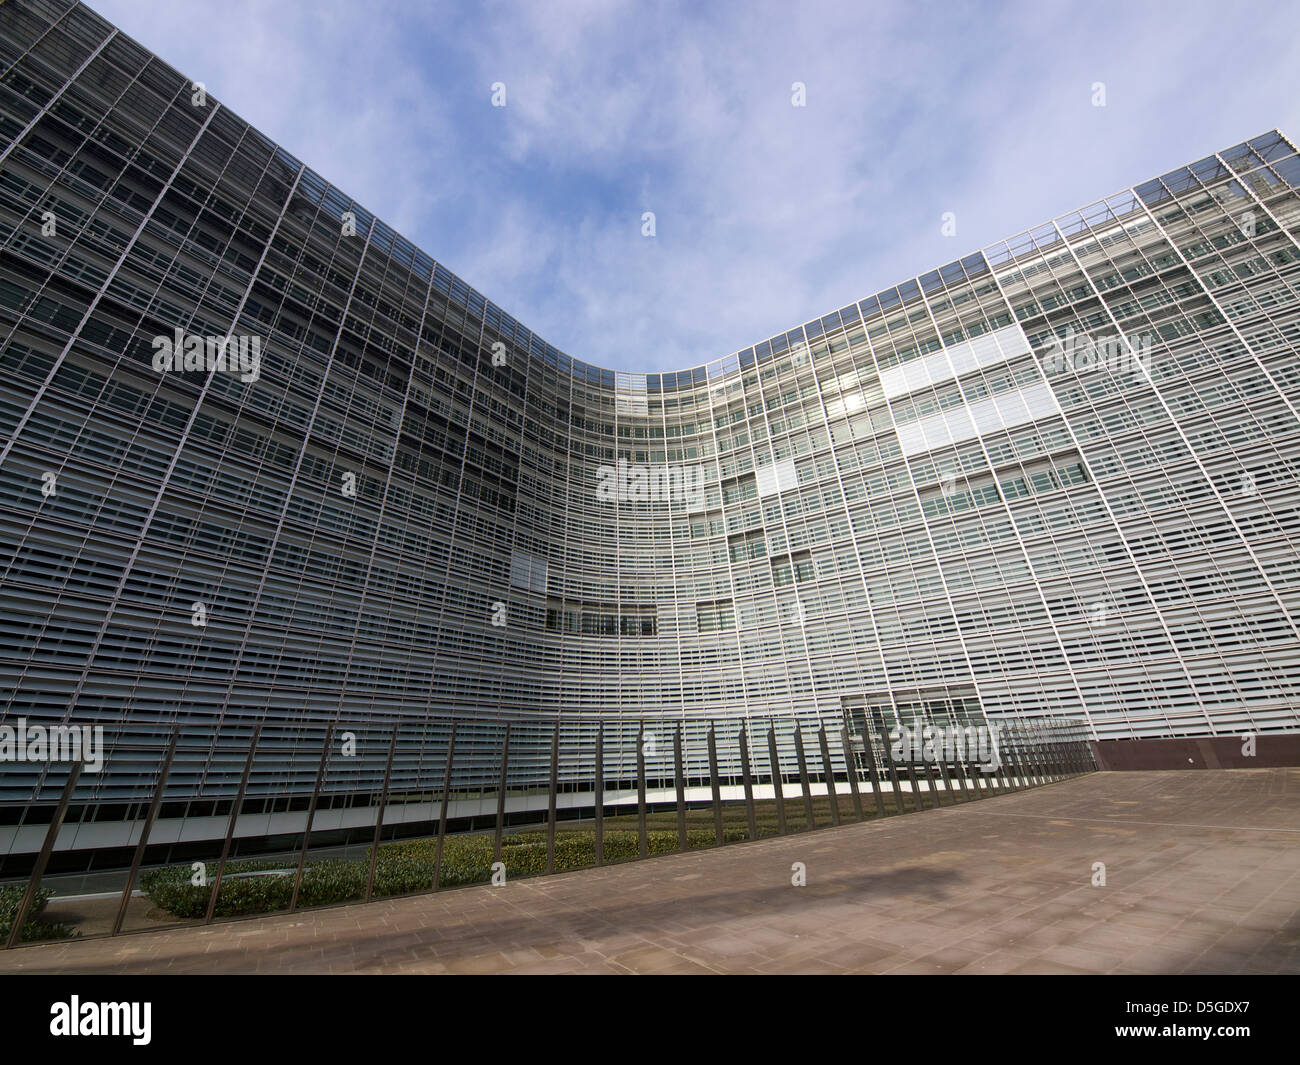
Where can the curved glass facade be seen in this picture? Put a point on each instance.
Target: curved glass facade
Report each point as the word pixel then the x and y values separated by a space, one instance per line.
pixel 1057 477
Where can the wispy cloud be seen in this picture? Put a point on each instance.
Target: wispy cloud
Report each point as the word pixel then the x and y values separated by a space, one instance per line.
pixel 767 214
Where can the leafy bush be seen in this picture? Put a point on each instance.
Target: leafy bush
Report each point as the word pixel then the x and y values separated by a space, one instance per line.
pixel 402 868
pixel 170 888
pixel 11 897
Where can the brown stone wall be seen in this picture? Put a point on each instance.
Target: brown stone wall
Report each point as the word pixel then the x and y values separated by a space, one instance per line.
pixel 1198 752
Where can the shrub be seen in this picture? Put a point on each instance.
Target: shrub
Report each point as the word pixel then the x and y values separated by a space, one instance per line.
pixel 402 868
pixel 170 888
pixel 11 897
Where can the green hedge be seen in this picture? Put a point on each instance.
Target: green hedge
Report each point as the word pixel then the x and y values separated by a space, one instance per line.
pixel 402 868
pixel 170 888
pixel 11 897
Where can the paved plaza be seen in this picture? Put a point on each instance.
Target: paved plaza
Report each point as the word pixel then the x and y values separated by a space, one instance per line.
pixel 1202 875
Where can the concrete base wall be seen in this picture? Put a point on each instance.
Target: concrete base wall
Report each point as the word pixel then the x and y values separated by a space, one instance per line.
pixel 1199 752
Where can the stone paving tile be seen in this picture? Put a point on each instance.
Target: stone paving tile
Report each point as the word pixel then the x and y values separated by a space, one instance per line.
pixel 1203 875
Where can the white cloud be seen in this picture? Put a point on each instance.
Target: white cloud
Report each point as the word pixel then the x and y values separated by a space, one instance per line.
pixel 768 215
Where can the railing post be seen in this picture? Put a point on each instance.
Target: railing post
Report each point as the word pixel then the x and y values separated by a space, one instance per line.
pixel 1015 756
pixel 442 816
pixel 803 775
pixel 1035 760
pixel 931 790
pixel 680 781
pixel 501 794
pixel 778 790
pixel 1045 752
pixel 642 841
pixel 600 794
pixel 379 814
pixel 1053 762
pixel 1008 765
pixel 828 772
pixel 1076 757
pixel 43 858
pixel 551 804
pixel 916 787
pixel 311 816
pixel 1004 782
pixel 716 784
pixel 968 777
pixel 851 766
pixel 749 782
pixel 947 781
pixel 891 769
pixel 163 772
pixel 1062 758
pixel 872 772
pixel 230 825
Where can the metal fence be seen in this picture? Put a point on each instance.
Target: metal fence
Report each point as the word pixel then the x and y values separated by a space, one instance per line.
pixel 327 844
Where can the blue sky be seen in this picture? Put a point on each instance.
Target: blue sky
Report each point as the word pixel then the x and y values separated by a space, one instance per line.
pixel 767 215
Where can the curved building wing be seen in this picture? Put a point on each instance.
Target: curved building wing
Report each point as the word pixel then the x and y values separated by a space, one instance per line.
pixel 263 461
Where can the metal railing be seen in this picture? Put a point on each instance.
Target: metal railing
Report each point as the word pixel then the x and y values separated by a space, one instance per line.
pixel 844 776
